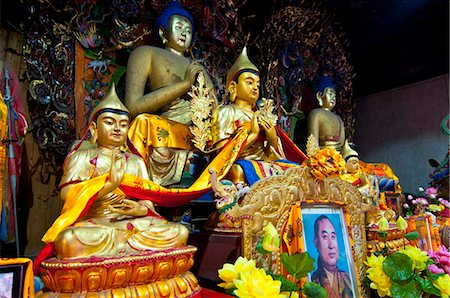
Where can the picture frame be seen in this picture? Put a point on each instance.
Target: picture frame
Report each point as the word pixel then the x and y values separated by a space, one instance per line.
pixel 423 228
pixel 326 236
pixel 12 278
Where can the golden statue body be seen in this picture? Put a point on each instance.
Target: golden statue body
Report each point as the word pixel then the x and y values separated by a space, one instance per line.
pixel 109 222
pixel 163 138
pixel 262 142
pixel 326 126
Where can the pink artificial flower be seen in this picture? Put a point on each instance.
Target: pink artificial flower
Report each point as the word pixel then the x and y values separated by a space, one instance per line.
pixel 442 258
pixel 410 197
pixel 431 191
pixel 444 202
pixel 435 269
pixel 422 201
pixel 414 202
pixel 405 205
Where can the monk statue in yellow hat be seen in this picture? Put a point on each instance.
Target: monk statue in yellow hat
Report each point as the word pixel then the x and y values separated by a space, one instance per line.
pixel 100 217
pixel 163 138
pixel 326 126
pixel 263 142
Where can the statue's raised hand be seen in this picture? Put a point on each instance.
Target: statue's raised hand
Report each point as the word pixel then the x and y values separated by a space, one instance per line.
pixel 270 131
pixel 192 71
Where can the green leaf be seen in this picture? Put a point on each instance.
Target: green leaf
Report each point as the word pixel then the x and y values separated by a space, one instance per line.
pixel 398 267
pixel 298 265
pixel 412 235
pixel 260 248
pixel 406 290
pixel 286 284
pixel 313 290
pixel 427 286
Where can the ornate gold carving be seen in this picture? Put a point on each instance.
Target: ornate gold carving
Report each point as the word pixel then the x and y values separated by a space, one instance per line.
pixel 152 273
pixel 183 285
pixel 202 103
pixel 270 200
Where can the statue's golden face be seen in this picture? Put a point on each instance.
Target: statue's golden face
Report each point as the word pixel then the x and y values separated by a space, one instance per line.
pixel 352 165
pixel 247 88
pixel 329 98
pixel 178 33
pixel 111 129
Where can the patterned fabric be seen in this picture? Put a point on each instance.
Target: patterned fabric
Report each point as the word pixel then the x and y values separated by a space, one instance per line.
pixel 257 169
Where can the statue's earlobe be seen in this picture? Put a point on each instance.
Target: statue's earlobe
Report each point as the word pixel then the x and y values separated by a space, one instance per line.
pixel 161 35
pixel 93 131
pixel 232 90
pixel 319 98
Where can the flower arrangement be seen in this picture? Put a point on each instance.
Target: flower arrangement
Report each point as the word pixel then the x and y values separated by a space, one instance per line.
pixel 406 273
pixel 441 259
pixel 426 201
pixel 326 162
pixel 245 279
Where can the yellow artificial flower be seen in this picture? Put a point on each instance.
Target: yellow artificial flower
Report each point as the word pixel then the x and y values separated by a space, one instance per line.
pixel 230 272
pixel 380 281
pixel 383 224
pixel 435 207
pixel 443 284
pixel 271 241
pixel 375 261
pixel 402 225
pixel 256 283
pixel 418 257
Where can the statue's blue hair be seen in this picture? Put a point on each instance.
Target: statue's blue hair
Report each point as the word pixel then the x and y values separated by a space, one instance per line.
pixel 324 82
pixel 173 8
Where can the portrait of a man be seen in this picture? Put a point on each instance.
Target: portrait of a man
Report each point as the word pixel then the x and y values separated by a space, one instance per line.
pixel 327 242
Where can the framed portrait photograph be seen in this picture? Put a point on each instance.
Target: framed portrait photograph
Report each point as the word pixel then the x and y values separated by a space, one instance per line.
pixel 423 229
pixel 326 239
pixel 12 280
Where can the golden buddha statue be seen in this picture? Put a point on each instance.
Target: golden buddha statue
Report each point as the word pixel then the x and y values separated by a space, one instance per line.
pixel 262 142
pixel 367 185
pixel 98 218
pixel 163 138
pixel 326 126
pixel 352 173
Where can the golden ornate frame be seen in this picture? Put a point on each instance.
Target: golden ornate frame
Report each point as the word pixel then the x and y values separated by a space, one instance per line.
pixel 271 199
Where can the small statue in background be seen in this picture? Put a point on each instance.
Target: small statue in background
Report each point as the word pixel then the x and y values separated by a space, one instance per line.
pixel 368 185
pixel 227 196
pixel 326 126
pixel 98 218
pixel 353 173
pixel 163 140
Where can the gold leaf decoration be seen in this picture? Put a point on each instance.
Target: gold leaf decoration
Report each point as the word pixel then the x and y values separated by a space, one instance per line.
pixel 202 102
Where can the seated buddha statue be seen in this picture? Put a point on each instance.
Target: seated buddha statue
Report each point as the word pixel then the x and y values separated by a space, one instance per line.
pixel 263 139
pixel 352 172
pixel 368 186
pixel 326 126
pixel 99 218
pixel 160 130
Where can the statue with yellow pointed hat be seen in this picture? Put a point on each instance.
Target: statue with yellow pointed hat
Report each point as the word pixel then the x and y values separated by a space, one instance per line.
pixel 263 139
pixel 102 221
